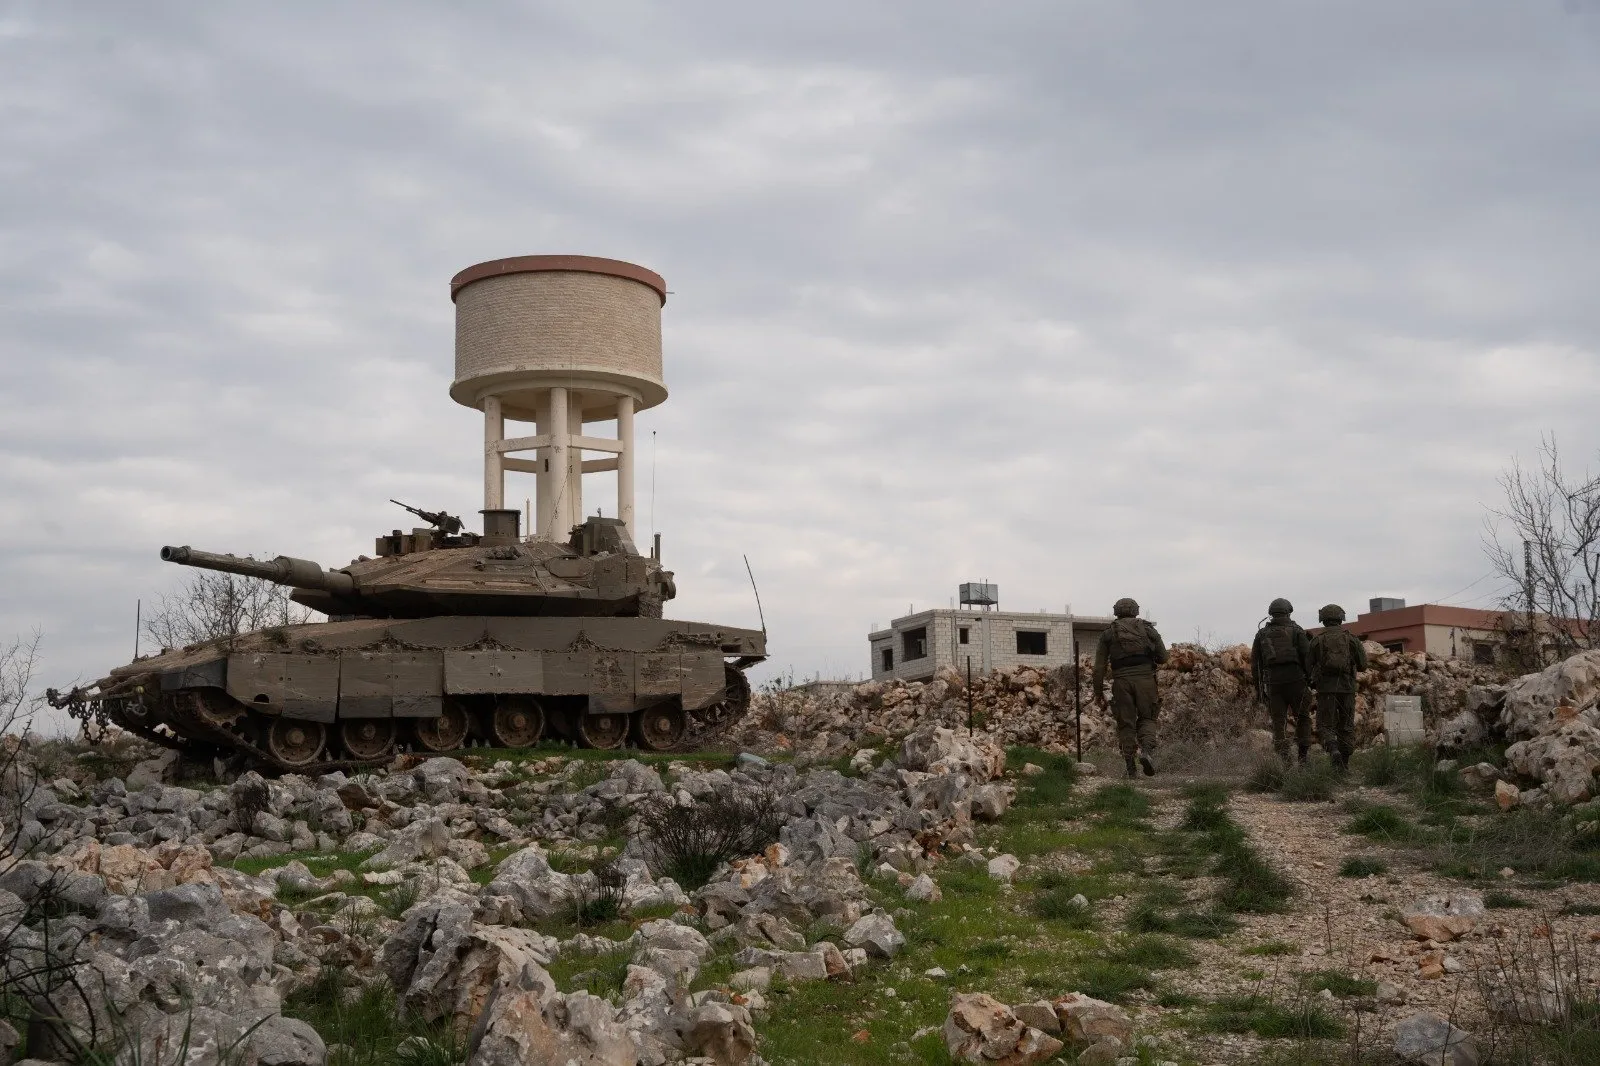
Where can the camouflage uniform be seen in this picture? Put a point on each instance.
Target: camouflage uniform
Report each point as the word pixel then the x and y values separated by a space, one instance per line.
pixel 1132 649
pixel 1280 666
pixel 1333 675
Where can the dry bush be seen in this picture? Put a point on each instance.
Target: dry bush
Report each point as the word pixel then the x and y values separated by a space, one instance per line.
pixel 689 843
pixel 212 605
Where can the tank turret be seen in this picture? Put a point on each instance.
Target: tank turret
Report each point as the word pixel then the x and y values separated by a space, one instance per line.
pixel 424 574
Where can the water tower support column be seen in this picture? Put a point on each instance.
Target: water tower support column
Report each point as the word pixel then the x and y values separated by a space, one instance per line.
pixel 494 476
pixel 574 460
pixel 559 465
pixel 625 463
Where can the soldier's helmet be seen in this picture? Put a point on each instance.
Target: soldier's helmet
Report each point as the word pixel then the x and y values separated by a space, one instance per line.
pixel 1280 606
pixel 1330 614
pixel 1126 607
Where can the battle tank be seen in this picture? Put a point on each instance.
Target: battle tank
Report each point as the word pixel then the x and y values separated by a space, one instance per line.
pixel 442 637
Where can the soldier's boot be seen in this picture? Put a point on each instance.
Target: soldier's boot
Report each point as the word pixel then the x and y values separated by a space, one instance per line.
pixel 1149 766
pixel 1133 771
pixel 1344 759
pixel 1303 749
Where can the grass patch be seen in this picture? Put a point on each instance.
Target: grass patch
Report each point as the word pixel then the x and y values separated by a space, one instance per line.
pixel 1586 909
pixel 1270 1020
pixel 1535 843
pixel 1362 866
pixel 969 881
pixel 599 975
pixel 1120 804
pixel 1057 905
pixel 1340 984
pixel 1313 781
pixel 1153 953
pixel 1250 884
pixel 1039 795
pixel 1500 900
pixel 370 1027
pixel 1381 822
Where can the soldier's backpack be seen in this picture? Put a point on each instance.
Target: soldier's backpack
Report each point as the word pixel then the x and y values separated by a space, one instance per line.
pixel 1129 639
pixel 1335 649
pixel 1278 646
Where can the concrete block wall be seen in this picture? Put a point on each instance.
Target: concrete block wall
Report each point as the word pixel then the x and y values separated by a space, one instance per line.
pixel 992 642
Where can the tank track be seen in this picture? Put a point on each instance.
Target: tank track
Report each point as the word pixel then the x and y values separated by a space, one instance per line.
pixel 103 712
pixel 224 737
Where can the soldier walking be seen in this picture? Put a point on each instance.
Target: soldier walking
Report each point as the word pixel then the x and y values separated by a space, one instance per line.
pixel 1133 649
pixel 1280 666
pixel 1336 658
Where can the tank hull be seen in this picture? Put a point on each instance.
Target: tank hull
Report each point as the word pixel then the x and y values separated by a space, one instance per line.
pixel 319 696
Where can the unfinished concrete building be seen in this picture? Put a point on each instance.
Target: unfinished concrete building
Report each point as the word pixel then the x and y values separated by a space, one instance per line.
pixel 912 648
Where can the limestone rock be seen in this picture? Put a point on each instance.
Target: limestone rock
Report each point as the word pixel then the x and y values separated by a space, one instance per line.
pixel 526 1020
pixel 877 934
pixel 1430 1040
pixel 721 1031
pixel 981 1029
pixel 1444 918
pixel 1004 867
pixel 1085 1019
pixel 923 890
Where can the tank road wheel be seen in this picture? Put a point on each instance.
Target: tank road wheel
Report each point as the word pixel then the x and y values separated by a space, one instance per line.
pixel 731 707
pixel 367 738
pixel 602 730
pixel 660 728
pixel 444 733
pixel 294 742
pixel 516 722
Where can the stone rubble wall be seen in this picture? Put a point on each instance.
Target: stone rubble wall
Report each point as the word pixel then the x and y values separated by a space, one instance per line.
pixel 1206 698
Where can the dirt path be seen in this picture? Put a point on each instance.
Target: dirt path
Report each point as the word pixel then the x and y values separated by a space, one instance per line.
pixel 1353 926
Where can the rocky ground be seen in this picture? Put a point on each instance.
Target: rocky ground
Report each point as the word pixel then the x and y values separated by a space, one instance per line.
pixel 923 895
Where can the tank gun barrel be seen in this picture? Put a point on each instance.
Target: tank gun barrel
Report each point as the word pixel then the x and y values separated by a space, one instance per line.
pixel 284 570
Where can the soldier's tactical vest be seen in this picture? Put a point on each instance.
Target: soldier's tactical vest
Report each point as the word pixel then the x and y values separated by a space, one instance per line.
pixel 1130 644
pixel 1278 645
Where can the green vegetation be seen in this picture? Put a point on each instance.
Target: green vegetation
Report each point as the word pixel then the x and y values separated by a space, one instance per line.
pixel 1497 899
pixel 1340 984
pixel 1382 823
pixel 1363 866
pixel 1267 1018
pixel 599 974
pixel 369 1027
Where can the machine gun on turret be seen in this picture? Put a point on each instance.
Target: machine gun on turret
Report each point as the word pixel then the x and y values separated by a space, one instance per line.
pixel 447 524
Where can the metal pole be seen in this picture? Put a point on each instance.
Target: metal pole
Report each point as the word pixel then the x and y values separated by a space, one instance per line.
pixel 1527 582
pixel 969 694
pixel 138 610
pixel 1077 696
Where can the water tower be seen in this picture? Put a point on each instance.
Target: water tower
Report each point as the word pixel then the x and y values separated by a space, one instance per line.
pixel 558 341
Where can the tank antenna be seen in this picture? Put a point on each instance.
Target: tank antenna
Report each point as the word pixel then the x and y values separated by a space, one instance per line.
pixel 652 480
pixel 759 612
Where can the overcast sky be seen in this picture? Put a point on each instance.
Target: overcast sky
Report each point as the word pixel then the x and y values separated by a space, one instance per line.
pixel 1198 303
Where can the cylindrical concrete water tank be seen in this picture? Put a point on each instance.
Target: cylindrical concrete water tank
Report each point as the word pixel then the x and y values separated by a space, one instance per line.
pixel 525 323
pixel 558 340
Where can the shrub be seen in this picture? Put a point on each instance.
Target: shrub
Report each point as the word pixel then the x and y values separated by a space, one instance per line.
pixel 1057 905
pixel 1362 866
pixel 1271 1020
pixel 689 843
pixel 603 903
pixel 1381 823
